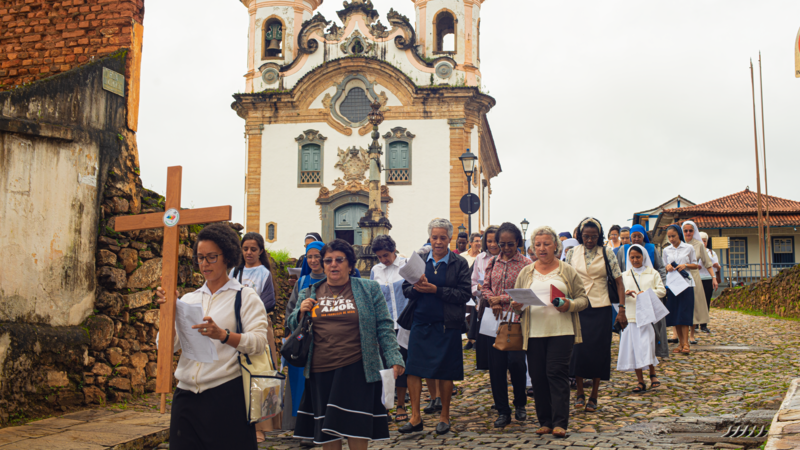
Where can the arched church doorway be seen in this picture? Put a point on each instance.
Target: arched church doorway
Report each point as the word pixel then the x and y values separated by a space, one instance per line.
pixel 346 220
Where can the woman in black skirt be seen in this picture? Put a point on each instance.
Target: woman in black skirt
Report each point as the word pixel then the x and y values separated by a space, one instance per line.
pixel 592 358
pixel 351 325
pixel 438 303
pixel 208 407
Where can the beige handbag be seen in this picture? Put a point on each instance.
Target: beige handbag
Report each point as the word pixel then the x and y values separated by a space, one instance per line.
pixel 509 334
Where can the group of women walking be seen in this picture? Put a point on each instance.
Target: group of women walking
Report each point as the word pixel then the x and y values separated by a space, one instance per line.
pixel 414 328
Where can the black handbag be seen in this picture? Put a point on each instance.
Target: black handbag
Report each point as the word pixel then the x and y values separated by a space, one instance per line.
pixel 295 350
pixel 406 319
pixel 613 295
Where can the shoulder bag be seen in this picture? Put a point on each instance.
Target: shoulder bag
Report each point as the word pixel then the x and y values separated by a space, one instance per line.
pixel 262 383
pixel 613 295
pixel 509 334
pixel 297 347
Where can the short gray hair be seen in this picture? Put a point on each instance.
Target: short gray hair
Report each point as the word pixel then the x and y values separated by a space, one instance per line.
pixel 441 223
pixel 548 231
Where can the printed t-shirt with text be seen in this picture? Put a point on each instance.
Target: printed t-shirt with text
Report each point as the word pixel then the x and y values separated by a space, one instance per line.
pixel 337 339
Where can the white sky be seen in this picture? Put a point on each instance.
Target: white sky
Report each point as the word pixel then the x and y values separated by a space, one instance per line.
pixel 603 108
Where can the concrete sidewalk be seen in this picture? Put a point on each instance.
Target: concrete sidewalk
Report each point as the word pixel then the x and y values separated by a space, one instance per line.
pixel 96 429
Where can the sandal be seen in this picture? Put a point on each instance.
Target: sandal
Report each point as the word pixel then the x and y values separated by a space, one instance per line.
pixel 260 436
pixel 580 401
pixel 640 388
pixel 544 430
pixel 654 384
pixel 686 350
pixel 400 416
pixel 559 432
pixel 677 349
pixel 591 405
pixel 694 342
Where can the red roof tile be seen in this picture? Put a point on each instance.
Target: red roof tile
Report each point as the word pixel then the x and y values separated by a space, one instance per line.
pixel 743 221
pixel 744 202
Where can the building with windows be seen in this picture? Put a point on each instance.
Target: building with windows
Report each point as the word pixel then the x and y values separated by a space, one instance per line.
pixel 308 89
pixel 736 216
pixel 648 218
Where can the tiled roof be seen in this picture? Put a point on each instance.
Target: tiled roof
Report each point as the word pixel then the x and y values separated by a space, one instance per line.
pixel 743 221
pixel 744 202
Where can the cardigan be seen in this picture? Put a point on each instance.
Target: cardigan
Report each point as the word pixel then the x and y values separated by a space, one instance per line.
pixel 374 323
pixel 577 296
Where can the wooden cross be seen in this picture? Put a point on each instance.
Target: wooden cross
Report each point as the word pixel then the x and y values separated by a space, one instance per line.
pixel 170 220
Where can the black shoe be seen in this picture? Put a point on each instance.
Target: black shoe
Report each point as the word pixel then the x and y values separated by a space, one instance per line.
pixel 469 346
pixel 431 408
pixel 502 421
pixel 520 414
pixel 408 428
pixel 307 442
pixel 444 428
pixel 438 404
pixel 705 330
pixel 672 341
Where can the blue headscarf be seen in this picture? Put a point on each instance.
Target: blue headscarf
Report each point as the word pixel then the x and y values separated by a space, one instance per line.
pixel 565 234
pixel 640 229
pixel 306 281
pixel 677 228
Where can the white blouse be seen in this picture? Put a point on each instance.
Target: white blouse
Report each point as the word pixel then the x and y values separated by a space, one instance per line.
pixel 547 321
pixel 682 254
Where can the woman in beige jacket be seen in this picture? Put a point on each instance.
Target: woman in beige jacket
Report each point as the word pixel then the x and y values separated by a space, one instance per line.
pixel 549 332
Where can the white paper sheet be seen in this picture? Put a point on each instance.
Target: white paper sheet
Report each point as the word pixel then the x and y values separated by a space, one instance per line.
pixel 413 270
pixel 616 307
pixel 387 379
pixel 195 346
pixel 295 271
pixel 676 283
pixel 649 308
pixel 402 337
pixel 489 323
pixel 471 302
pixel 526 297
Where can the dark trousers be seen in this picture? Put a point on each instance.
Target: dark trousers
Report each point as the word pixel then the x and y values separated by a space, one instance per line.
pixel 548 363
pixel 708 288
pixel 501 362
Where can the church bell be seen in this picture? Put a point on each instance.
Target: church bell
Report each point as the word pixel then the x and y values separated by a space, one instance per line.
pixel 273 45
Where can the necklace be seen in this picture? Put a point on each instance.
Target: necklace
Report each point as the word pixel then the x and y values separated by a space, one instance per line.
pixel 337 294
pixel 436 267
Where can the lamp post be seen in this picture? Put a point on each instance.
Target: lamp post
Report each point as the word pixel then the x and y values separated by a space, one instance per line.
pixel 468 160
pixel 524 225
pixel 462 228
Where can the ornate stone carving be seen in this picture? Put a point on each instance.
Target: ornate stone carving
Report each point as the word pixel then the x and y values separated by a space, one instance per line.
pixel 326 101
pixel 354 6
pixel 334 33
pixel 399 133
pixel 310 135
pixel 354 163
pixel 366 47
pixel 379 30
pixel 383 99
pixel 444 70
pixel 270 76
pixel 317 23
pixel 398 20
pixel 324 192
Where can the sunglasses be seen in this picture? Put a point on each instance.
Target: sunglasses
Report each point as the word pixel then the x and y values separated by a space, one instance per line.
pixel 507 244
pixel 338 259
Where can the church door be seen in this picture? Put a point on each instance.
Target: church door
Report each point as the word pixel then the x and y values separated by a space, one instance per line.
pixel 346 225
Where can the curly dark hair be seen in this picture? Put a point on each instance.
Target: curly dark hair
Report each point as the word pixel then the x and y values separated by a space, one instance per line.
pixel 226 239
pixel 579 231
pixel 383 242
pixel 464 235
pixel 508 227
pixel 340 245
pixel 614 228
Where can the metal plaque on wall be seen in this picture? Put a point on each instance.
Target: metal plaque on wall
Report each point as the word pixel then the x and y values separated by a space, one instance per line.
pixel 114 82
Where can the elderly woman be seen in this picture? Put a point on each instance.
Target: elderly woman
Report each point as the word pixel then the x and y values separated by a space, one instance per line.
pixel 707 275
pixel 351 325
pixel 692 236
pixel 501 274
pixel 489 249
pixel 208 407
pixel 437 302
pixel 549 332
pixel 597 266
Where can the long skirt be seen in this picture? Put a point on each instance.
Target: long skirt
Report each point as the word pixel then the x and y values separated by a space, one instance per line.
pixel 212 419
pixel 681 307
pixel 700 313
pixel 341 404
pixel 592 357
pixel 435 352
pixel 637 347
pixel 708 288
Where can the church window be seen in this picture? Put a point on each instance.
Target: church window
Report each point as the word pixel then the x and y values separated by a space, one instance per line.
pixel 355 106
pixel 310 158
pixel 272 39
pixel 398 156
pixel 272 232
pixel 357 48
pixel 444 29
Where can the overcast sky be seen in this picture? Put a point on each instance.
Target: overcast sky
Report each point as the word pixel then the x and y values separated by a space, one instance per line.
pixel 603 108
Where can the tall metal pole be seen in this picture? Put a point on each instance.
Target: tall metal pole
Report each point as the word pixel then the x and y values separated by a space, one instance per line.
pixel 758 177
pixel 764 150
pixel 469 216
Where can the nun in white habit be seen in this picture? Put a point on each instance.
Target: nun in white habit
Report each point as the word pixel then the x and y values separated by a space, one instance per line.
pixel 692 236
pixel 637 345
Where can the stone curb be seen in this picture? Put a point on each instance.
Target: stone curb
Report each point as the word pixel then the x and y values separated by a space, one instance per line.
pixel 784 433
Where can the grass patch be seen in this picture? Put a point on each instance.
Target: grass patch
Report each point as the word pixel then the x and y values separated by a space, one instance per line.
pixel 752 312
pixel 280 256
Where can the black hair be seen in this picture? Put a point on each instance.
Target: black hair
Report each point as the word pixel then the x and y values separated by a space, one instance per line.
pixel 615 228
pixel 383 242
pixel 636 249
pixel 339 245
pixel 491 230
pixel 226 239
pixel 677 228
pixel 263 258
pixel 314 235
pixel 464 235
pixel 590 224
pixel 508 227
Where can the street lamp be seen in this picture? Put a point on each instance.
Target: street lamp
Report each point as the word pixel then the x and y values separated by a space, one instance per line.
pixel 524 224
pixel 468 160
pixel 462 228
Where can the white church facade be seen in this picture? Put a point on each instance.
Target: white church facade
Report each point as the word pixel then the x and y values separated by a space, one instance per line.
pixel 309 86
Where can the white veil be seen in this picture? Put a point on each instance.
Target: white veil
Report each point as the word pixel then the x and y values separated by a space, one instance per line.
pixel 645 255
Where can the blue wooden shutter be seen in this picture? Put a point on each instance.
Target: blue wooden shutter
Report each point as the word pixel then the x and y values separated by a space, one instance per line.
pixel 398 155
pixel 310 155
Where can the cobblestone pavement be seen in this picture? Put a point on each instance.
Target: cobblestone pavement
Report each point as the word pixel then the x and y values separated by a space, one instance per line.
pixel 746 363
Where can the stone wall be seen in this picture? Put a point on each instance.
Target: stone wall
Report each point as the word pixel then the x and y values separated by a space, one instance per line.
pixel 41 38
pixel 779 295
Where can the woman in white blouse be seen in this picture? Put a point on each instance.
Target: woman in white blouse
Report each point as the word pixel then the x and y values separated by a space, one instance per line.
pixel 208 407
pixel 678 257
pixel 637 344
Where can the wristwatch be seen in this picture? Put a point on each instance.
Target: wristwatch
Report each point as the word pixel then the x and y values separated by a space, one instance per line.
pixel 227 335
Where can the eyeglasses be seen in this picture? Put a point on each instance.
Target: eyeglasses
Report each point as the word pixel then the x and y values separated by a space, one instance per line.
pixel 310 257
pixel 211 259
pixel 507 244
pixel 590 237
pixel 338 259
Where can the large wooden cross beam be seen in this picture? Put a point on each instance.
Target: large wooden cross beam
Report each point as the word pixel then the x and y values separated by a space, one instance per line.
pixel 170 220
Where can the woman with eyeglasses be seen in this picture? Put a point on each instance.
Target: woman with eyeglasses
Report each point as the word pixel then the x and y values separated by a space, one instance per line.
pixel 597 266
pixel 353 333
pixel 208 407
